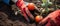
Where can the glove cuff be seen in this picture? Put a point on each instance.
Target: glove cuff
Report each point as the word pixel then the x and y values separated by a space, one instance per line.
pixel 14 1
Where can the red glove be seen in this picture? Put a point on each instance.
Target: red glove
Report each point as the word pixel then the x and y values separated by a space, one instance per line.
pixel 54 16
pixel 24 10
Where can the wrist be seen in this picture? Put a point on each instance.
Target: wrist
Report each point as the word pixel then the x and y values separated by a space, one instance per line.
pixel 14 1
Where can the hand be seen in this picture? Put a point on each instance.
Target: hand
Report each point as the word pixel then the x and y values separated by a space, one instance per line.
pixel 51 16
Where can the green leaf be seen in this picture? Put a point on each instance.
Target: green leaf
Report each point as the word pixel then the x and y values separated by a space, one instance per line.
pixel 44 1
pixel 43 4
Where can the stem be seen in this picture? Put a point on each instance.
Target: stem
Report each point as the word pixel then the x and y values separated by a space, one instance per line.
pixel 55 5
pixel 46 7
pixel 37 9
pixel 41 12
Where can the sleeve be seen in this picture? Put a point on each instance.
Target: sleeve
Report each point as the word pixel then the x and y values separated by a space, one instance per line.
pixel 6 1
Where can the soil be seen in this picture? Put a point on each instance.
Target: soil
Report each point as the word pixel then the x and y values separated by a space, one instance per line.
pixel 4 21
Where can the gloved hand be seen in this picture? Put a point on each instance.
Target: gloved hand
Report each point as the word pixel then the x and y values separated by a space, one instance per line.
pixel 54 16
pixel 24 10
